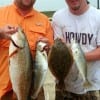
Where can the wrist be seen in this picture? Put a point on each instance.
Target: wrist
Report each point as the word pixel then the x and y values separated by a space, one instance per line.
pixel 1 33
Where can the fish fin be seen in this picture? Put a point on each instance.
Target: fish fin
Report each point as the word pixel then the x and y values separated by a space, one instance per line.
pixel 87 84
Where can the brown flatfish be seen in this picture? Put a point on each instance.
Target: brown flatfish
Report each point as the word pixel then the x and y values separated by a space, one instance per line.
pixel 60 61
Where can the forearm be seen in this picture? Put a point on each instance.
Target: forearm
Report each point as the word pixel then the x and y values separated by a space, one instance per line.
pixel 4 36
pixel 5 32
pixel 93 55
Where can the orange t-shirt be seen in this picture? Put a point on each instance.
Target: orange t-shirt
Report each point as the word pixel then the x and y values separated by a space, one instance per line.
pixel 34 24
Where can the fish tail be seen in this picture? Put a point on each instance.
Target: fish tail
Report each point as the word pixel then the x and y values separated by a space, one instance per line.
pixel 34 97
pixel 61 85
pixel 87 84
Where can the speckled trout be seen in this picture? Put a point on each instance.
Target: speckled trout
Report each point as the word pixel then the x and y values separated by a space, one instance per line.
pixel 40 70
pixel 79 58
pixel 60 61
pixel 20 66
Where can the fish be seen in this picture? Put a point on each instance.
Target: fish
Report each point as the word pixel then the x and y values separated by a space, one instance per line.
pixel 20 64
pixel 60 61
pixel 80 61
pixel 40 69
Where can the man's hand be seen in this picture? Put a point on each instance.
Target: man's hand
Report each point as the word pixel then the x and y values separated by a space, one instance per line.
pixel 5 32
pixel 45 40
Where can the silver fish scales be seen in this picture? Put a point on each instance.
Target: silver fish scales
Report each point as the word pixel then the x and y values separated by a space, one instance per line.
pixel 20 66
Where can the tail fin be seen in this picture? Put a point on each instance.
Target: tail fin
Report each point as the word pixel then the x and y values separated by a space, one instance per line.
pixel 87 84
pixel 61 85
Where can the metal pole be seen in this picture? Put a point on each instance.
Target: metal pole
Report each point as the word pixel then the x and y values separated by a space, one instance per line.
pixel 98 4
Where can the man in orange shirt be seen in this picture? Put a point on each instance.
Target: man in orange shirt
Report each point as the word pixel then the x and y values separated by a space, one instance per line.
pixel 35 26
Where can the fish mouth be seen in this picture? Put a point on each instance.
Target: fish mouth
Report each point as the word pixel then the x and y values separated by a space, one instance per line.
pixel 16 44
pixel 42 46
pixel 16 50
pixel 45 48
